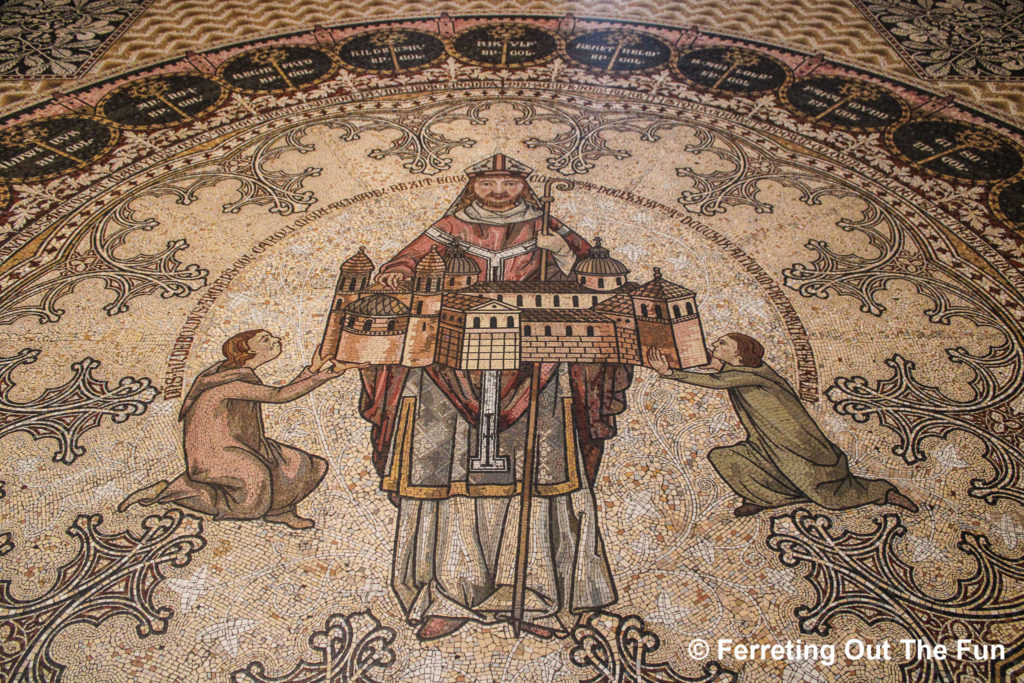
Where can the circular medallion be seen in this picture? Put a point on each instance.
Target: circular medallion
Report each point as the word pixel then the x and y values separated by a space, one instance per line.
pixel 619 50
pixel 845 102
pixel 48 147
pixel 956 149
pixel 391 50
pixel 732 69
pixel 505 45
pixel 1007 202
pixel 277 69
pixel 160 100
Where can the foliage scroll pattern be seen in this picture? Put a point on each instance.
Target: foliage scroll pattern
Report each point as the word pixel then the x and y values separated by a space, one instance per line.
pixel 110 575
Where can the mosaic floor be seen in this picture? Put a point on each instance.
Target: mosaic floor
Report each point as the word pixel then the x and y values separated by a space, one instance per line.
pixel 828 197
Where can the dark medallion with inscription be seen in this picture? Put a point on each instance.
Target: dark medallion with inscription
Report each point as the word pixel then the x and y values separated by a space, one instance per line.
pixel 1007 202
pixel 505 45
pixel 732 69
pixel 277 69
pixel 160 100
pixel 391 50
pixel 845 102
pixel 618 50
pixel 49 147
pixel 957 149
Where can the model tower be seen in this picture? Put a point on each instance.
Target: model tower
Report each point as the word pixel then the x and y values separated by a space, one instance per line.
pixel 352 280
pixel 427 290
pixel 666 319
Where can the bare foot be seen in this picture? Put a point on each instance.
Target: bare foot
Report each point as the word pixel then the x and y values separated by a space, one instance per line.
pixel 439 627
pixel 747 509
pixel 144 496
pixel 539 631
pixel 894 497
pixel 291 519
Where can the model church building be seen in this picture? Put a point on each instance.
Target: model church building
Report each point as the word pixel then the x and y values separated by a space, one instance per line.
pixel 447 315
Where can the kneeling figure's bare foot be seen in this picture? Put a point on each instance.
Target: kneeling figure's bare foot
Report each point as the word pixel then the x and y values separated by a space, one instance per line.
pixel 290 519
pixel 894 497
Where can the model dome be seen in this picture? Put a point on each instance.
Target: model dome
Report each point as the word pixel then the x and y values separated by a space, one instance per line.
pixel 378 305
pixel 457 263
pixel 600 262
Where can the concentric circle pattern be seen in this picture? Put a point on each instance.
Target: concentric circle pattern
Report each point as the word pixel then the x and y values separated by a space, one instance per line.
pixel 864 231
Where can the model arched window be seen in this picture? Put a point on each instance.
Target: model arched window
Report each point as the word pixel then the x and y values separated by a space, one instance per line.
pixel 547 330
pixel 476 322
pixel 352 285
pixel 424 326
pixel 600 282
pixel 537 301
pixel 494 322
pixel 618 280
pixel 676 311
pixel 558 301
pixel 419 307
pixel 593 300
pixel 643 310
pixel 366 325
pixel 391 326
pixel 501 297
pixel 590 330
pixel 689 308
pixel 519 300
pixel 583 280
pixel 510 322
pixel 568 330
pixel 351 322
pixel 657 311
pixel 451 282
pixel 527 331
pixel 575 301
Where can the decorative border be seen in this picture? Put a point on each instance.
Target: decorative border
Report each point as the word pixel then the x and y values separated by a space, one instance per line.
pixel 905 113
pixel 225 90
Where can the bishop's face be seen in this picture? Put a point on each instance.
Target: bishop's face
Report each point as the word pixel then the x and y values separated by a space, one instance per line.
pixel 499 192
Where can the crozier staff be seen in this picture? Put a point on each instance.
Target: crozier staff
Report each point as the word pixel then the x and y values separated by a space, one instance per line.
pixel 786 458
pixel 232 470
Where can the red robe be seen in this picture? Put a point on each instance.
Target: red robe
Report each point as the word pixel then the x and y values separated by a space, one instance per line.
pixel 598 390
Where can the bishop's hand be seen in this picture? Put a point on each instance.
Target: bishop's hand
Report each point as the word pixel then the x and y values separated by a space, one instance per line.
pixel 390 280
pixel 554 243
pixel 658 362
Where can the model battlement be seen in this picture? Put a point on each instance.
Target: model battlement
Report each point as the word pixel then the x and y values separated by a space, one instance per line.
pixel 445 314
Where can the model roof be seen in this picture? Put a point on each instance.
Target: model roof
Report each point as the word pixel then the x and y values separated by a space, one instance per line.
pixel 461 302
pixel 431 262
pixel 358 262
pixel 660 288
pixel 619 304
pixel 528 287
pixel 562 315
pixel 378 305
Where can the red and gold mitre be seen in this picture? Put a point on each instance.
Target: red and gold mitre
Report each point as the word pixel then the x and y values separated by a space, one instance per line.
pixel 499 164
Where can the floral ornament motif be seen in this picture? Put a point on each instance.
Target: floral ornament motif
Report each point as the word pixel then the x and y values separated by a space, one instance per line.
pixel 110 575
pixel 617 649
pixel 352 648
pixel 954 39
pixel 60 38
pixel 862 575
pixel 66 412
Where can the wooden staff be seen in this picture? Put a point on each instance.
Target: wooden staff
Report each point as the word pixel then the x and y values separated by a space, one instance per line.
pixel 529 458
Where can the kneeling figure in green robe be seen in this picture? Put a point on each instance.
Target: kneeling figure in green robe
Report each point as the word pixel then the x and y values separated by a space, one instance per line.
pixel 786 458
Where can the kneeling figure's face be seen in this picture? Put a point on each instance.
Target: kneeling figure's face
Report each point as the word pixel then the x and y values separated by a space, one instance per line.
pixel 498 192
